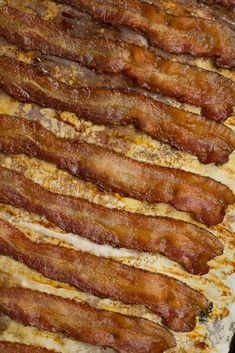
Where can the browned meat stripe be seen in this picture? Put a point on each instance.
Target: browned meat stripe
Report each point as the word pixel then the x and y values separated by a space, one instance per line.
pixel 197 9
pixel 210 141
pixel 205 198
pixel 187 244
pixel 221 2
pixel 84 323
pixel 176 302
pixel 177 34
pixel 114 172
pixel 12 347
pixel 210 91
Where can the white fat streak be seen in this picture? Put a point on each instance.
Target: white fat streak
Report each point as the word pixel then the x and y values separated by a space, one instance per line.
pixel 32 336
pixel 79 242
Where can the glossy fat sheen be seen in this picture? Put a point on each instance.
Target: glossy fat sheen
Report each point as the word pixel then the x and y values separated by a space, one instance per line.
pixel 210 91
pixel 208 140
pixel 206 199
pixel 173 300
pixel 187 244
pixel 177 34
pixel 84 323
pixel 12 347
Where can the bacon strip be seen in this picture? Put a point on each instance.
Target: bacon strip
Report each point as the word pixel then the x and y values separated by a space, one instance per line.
pixel 187 244
pixel 82 24
pixel 177 34
pixel 205 198
pixel 84 323
pixel 210 91
pixel 114 172
pixel 12 347
pixel 174 301
pixel 221 2
pixel 210 141
pixel 196 9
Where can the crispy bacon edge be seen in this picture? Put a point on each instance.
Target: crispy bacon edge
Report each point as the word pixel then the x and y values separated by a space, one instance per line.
pixel 208 140
pixel 170 33
pixel 83 322
pixel 214 93
pixel 13 347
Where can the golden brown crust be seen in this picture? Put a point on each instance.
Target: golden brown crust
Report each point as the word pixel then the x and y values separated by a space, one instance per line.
pixel 13 347
pixel 174 301
pixel 84 323
pixel 183 242
pixel 177 34
pixel 210 91
pixel 208 140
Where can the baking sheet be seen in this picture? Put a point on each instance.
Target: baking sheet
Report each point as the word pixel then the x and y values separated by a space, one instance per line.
pixel 211 336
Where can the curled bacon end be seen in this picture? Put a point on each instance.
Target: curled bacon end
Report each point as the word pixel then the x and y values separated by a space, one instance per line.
pixel 177 34
pixel 174 301
pixel 84 323
pixel 13 347
pixel 214 93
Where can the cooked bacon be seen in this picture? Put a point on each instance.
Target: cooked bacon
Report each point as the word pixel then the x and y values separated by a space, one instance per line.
pixel 84 323
pixel 12 347
pixel 82 24
pixel 187 244
pixel 205 198
pixel 197 9
pixel 113 172
pixel 177 34
pixel 210 141
pixel 210 91
pixel 174 301
pixel 221 2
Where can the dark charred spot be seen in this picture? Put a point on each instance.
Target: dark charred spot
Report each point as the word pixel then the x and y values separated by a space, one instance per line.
pixel 67 14
pixel 205 313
